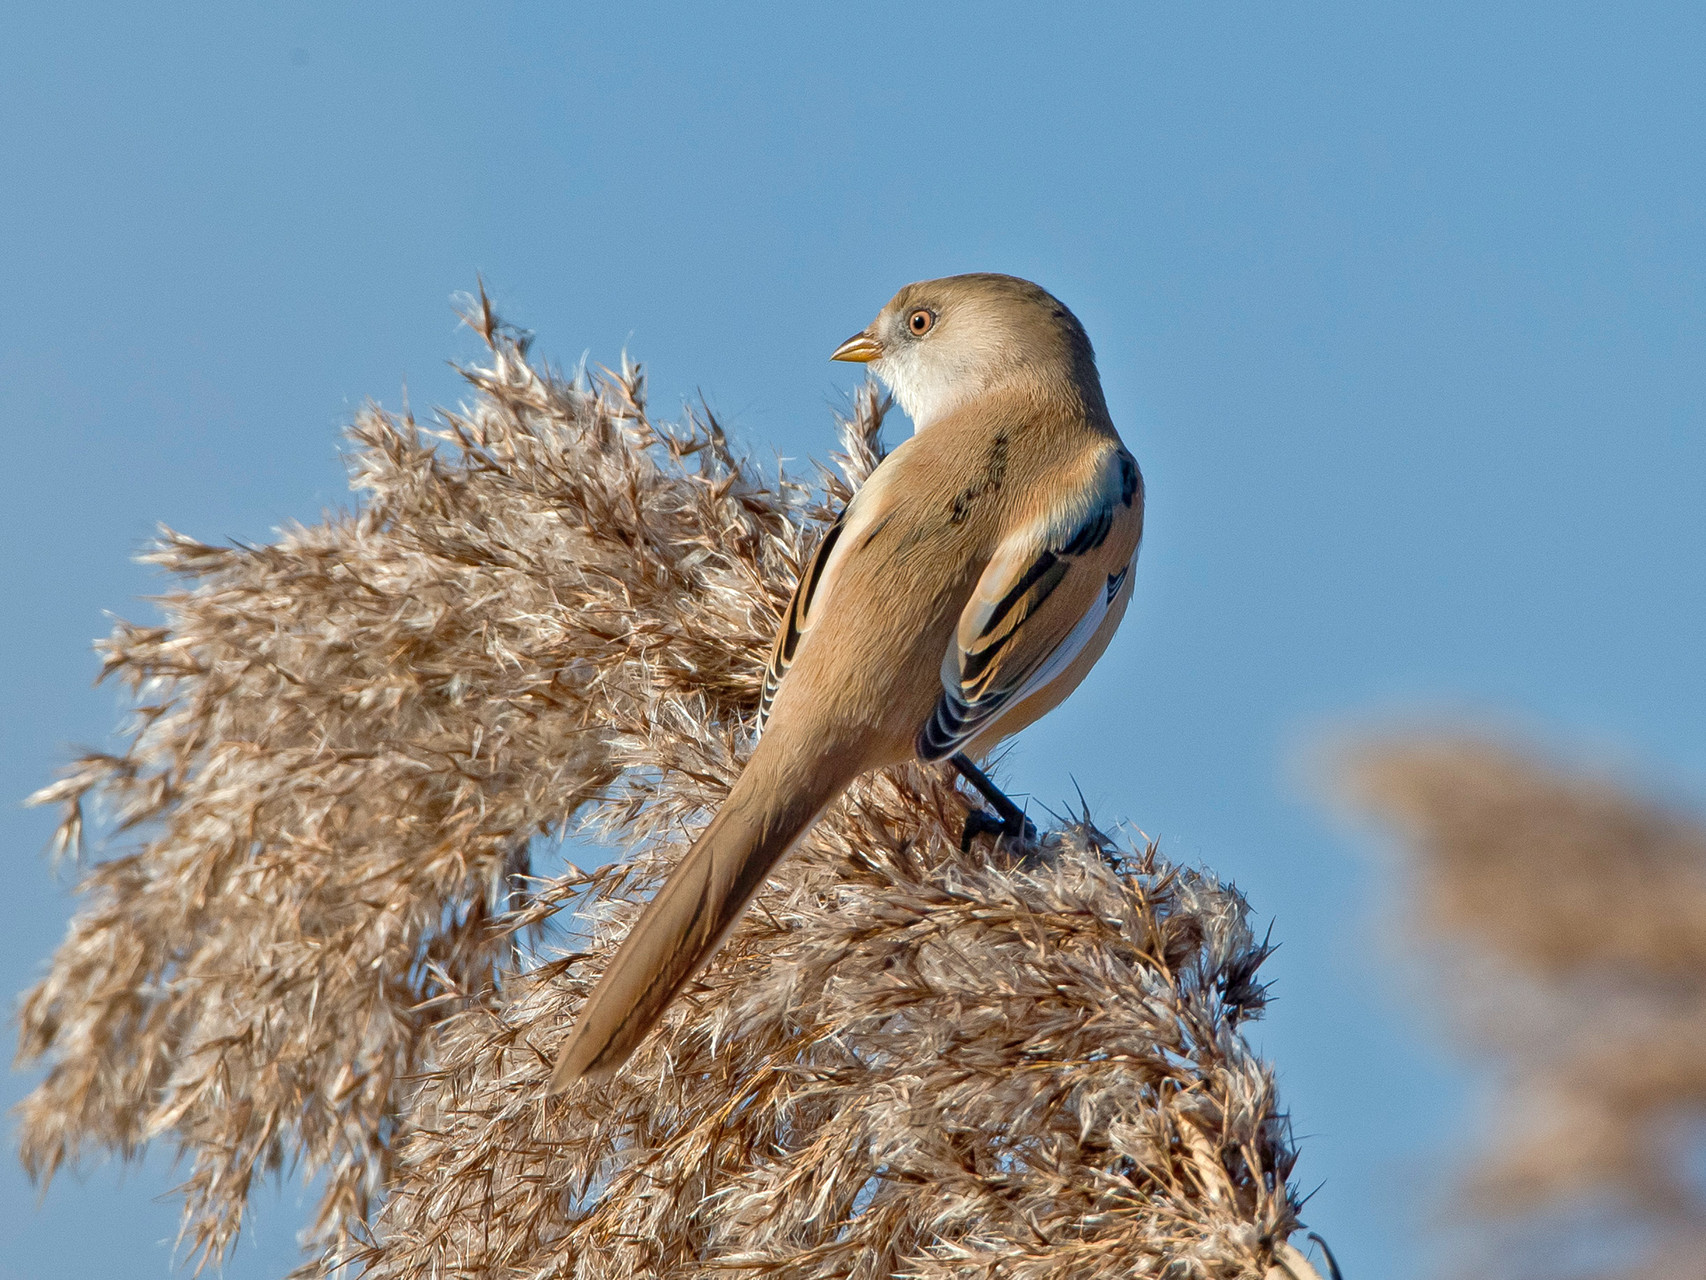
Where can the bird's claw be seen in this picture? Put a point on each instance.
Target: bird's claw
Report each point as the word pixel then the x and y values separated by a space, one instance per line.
pixel 982 822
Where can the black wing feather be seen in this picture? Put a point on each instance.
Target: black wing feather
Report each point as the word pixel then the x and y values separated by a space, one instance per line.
pixel 794 620
pixel 969 703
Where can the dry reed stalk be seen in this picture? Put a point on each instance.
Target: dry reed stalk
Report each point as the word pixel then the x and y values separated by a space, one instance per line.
pixel 552 610
pixel 1565 924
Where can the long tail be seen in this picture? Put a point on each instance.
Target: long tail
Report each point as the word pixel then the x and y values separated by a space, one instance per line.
pixel 765 814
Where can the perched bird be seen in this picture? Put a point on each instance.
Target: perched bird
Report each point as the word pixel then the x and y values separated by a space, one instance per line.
pixel 966 589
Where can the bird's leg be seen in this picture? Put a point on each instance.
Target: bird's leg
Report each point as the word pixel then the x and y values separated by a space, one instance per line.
pixel 1010 820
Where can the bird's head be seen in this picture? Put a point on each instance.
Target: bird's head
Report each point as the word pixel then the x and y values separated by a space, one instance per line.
pixel 939 344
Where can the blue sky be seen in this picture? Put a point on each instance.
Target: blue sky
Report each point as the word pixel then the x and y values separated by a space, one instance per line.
pixel 1401 312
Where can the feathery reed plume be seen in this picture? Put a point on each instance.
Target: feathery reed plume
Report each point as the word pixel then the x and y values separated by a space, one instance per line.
pixel 551 610
pixel 1566 923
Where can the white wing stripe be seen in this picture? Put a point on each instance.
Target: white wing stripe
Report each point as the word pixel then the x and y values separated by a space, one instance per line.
pixel 1068 649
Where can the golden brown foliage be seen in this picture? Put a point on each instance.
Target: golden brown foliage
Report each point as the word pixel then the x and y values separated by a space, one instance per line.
pixel 1570 921
pixel 552 611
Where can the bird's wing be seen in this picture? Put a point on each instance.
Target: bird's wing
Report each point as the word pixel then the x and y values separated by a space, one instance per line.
pixel 798 618
pixel 1037 604
pixel 867 512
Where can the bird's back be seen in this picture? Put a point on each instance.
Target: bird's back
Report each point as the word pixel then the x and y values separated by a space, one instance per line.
pixel 868 674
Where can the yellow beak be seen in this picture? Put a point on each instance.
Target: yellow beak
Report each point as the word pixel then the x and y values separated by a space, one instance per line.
pixel 861 348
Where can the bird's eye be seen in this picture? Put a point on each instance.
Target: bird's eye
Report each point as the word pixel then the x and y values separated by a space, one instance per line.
pixel 920 321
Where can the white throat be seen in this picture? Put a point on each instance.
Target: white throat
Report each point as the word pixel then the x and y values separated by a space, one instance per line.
pixel 929 390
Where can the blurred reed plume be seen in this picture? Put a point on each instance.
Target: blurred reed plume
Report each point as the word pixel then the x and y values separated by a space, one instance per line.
pixel 326 950
pixel 1565 924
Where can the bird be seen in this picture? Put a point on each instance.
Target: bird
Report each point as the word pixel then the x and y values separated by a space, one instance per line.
pixel 967 588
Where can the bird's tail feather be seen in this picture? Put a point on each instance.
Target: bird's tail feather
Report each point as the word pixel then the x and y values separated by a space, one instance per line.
pixel 691 915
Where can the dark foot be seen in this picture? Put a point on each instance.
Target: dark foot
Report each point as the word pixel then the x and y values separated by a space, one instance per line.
pixel 979 822
pixel 1008 819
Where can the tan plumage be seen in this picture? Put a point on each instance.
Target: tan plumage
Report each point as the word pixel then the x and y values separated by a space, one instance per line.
pixel 966 590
